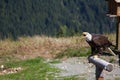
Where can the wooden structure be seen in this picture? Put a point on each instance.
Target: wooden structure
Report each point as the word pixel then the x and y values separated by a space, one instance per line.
pixel 114 11
pixel 114 7
pixel 118 34
pixel 101 65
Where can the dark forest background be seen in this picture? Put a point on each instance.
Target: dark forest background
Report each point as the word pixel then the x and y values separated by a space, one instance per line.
pixel 53 17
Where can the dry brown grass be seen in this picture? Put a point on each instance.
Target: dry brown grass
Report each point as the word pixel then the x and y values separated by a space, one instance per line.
pixel 48 47
pixel 112 37
pixel 39 46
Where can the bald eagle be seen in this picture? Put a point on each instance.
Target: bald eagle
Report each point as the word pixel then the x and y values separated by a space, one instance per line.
pixel 98 43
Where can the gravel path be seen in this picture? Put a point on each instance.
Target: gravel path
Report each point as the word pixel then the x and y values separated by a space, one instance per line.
pixel 81 67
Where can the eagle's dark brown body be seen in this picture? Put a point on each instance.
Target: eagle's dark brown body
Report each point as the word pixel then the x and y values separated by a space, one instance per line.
pixel 98 43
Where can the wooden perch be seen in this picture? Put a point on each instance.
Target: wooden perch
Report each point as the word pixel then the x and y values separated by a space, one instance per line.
pixel 101 63
pixel 100 66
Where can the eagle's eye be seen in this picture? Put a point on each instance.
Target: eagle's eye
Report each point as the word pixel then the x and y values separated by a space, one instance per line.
pixel 84 34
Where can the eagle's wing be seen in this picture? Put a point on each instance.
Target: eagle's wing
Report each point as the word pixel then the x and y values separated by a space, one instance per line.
pixel 100 40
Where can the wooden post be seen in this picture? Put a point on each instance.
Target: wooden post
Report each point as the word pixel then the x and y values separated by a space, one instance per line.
pixel 99 73
pixel 101 65
pixel 118 33
pixel 119 58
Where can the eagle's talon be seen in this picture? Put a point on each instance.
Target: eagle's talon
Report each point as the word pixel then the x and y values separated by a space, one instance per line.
pixel 95 56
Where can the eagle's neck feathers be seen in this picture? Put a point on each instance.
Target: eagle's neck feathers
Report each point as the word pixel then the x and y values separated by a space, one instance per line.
pixel 89 37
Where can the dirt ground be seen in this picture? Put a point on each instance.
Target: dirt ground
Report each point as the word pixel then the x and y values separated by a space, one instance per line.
pixel 80 66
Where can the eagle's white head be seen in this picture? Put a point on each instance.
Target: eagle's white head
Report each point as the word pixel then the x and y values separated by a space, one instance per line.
pixel 87 36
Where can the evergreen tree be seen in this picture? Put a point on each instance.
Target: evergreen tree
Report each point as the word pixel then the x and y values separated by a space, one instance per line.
pixel 52 17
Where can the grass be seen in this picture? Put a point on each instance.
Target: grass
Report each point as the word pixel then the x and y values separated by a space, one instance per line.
pixel 35 69
pixel 47 47
pixel 71 78
pixel 112 60
pixel 23 52
pixel 74 52
pixel 117 78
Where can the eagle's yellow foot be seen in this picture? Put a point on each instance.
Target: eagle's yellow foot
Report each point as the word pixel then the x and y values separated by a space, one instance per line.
pixel 95 56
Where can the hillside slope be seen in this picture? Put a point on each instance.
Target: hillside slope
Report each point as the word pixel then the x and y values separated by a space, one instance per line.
pixel 52 17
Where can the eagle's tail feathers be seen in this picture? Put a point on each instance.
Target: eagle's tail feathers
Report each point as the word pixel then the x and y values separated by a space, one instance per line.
pixel 108 49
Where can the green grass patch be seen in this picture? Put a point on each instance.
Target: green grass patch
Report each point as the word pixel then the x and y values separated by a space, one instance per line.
pixel 74 52
pixel 117 78
pixel 75 77
pixel 55 61
pixel 33 69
